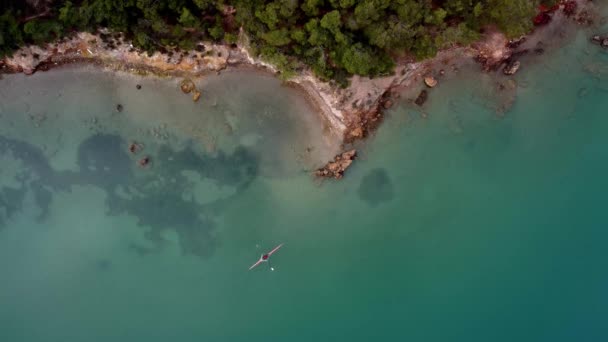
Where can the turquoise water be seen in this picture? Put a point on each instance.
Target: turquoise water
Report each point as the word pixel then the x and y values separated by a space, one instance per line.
pixel 462 224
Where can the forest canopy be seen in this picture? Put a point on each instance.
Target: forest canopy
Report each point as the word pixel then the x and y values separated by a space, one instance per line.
pixel 335 38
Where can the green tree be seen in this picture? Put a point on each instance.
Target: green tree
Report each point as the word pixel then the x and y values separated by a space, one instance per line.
pixel 331 21
pixel 359 60
pixel 269 15
pixel 277 37
pixel 369 11
pixel 514 17
pixel 311 7
pixel 10 33
pixel 187 19
pixel 42 31
pixel 316 34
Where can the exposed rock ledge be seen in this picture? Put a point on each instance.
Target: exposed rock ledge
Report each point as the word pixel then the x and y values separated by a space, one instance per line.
pixel 335 169
pixel 352 113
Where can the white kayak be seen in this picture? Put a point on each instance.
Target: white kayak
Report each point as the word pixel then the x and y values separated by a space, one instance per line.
pixel 264 257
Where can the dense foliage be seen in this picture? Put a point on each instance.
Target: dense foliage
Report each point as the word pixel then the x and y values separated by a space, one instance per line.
pixel 336 38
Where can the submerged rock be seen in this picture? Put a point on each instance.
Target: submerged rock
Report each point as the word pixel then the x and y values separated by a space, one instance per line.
pixel 119 107
pixel 135 147
pixel 511 68
pixel 596 38
pixel 539 49
pixel 144 162
pixel 376 188
pixel 582 92
pixel 422 97
pixel 336 168
pixel 601 40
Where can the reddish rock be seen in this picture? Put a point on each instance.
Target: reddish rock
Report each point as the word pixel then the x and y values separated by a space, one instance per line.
pixel 336 168
pixel 511 68
pixel 357 132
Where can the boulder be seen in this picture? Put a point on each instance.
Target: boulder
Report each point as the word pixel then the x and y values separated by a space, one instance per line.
pixel 335 169
pixel 511 68
pixel 187 86
pixel 596 39
pixel 601 40
pixel 515 43
pixel 357 132
pixel 196 95
pixel 430 81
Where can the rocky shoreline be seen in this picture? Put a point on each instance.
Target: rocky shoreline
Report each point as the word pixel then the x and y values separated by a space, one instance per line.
pixel 352 113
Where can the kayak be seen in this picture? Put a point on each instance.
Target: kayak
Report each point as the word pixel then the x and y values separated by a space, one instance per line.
pixel 264 257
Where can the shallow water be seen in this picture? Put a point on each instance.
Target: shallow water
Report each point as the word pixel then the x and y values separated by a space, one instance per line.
pixel 467 223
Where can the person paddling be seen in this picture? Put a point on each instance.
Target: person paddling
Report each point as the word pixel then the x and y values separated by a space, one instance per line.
pixel 265 258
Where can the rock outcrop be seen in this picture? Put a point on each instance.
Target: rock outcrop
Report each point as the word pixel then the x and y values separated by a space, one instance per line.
pixel 335 169
pixel 511 67
pixel 494 50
